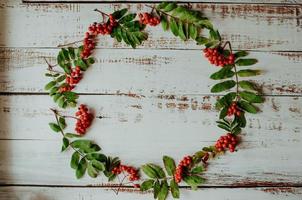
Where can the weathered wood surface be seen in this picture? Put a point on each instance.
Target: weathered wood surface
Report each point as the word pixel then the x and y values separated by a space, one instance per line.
pixel 189 1
pixel 261 27
pixel 146 72
pixel 269 154
pixel 45 193
pixel 137 90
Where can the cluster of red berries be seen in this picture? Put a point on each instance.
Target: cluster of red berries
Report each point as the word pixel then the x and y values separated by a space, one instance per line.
pixel 66 88
pixel 148 19
pixel 184 163
pixel 103 28
pixel 228 141
pixel 95 29
pixel 133 173
pixel 88 45
pixel 218 59
pixel 84 119
pixel 72 79
pixel 234 110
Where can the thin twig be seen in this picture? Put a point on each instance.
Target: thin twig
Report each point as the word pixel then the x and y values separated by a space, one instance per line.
pixel 71 43
pixel 97 10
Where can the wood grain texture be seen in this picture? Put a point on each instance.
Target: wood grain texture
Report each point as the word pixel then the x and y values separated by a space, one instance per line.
pixel 44 193
pixel 189 1
pixel 146 72
pixel 268 154
pixel 261 27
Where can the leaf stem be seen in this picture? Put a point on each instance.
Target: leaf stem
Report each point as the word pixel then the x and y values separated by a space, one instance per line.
pixel 61 131
pixel 97 10
pixel 235 69
pixel 153 7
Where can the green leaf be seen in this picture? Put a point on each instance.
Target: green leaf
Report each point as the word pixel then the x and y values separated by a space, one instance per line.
pixel 197 170
pixel 75 160
pixel 149 171
pixel 146 185
pixel 226 100
pixel 62 122
pixel 169 165
pixel 241 120
pixel 153 171
pixel 72 135
pixel 223 73
pixel 60 78
pixel 92 148
pixel 98 165
pixel 119 13
pixel 223 112
pixel 81 169
pixel 247 85
pixel 53 91
pixel 241 54
pixel 164 190
pixel 61 102
pixel 96 156
pixel 215 35
pixel 55 127
pixel 251 97
pixel 193 31
pixel 82 64
pixel 92 172
pixel 127 18
pixel 65 144
pixel 181 31
pixel 174 27
pixel 224 127
pixel 194 180
pixel 162 5
pixel 71 52
pixel 90 61
pixel 174 189
pixel 212 44
pixel 169 7
pixel 156 189
pixel 81 144
pixel 220 87
pixel 247 107
pixel 248 72
pixel 56 97
pixel 49 85
pixel 201 40
pixel 246 62
pixel 207 24
pixel 164 22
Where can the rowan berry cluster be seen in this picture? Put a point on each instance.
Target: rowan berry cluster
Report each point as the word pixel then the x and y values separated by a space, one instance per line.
pixel 233 110
pixel 88 44
pixel 148 19
pixel 182 166
pixel 94 30
pixel 131 171
pixel 72 79
pixel 217 58
pixel 228 141
pixel 66 88
pixel 84 119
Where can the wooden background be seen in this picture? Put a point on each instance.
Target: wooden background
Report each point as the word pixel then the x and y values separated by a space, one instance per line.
pixel 156 100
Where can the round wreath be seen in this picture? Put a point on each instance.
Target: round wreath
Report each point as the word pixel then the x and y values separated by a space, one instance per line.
pixel 184 23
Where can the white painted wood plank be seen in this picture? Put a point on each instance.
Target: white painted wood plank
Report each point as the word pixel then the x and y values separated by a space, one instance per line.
pixel 147 72
pixel 44 193
pixel 268 155
pixel 261 27
pixel 189 1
